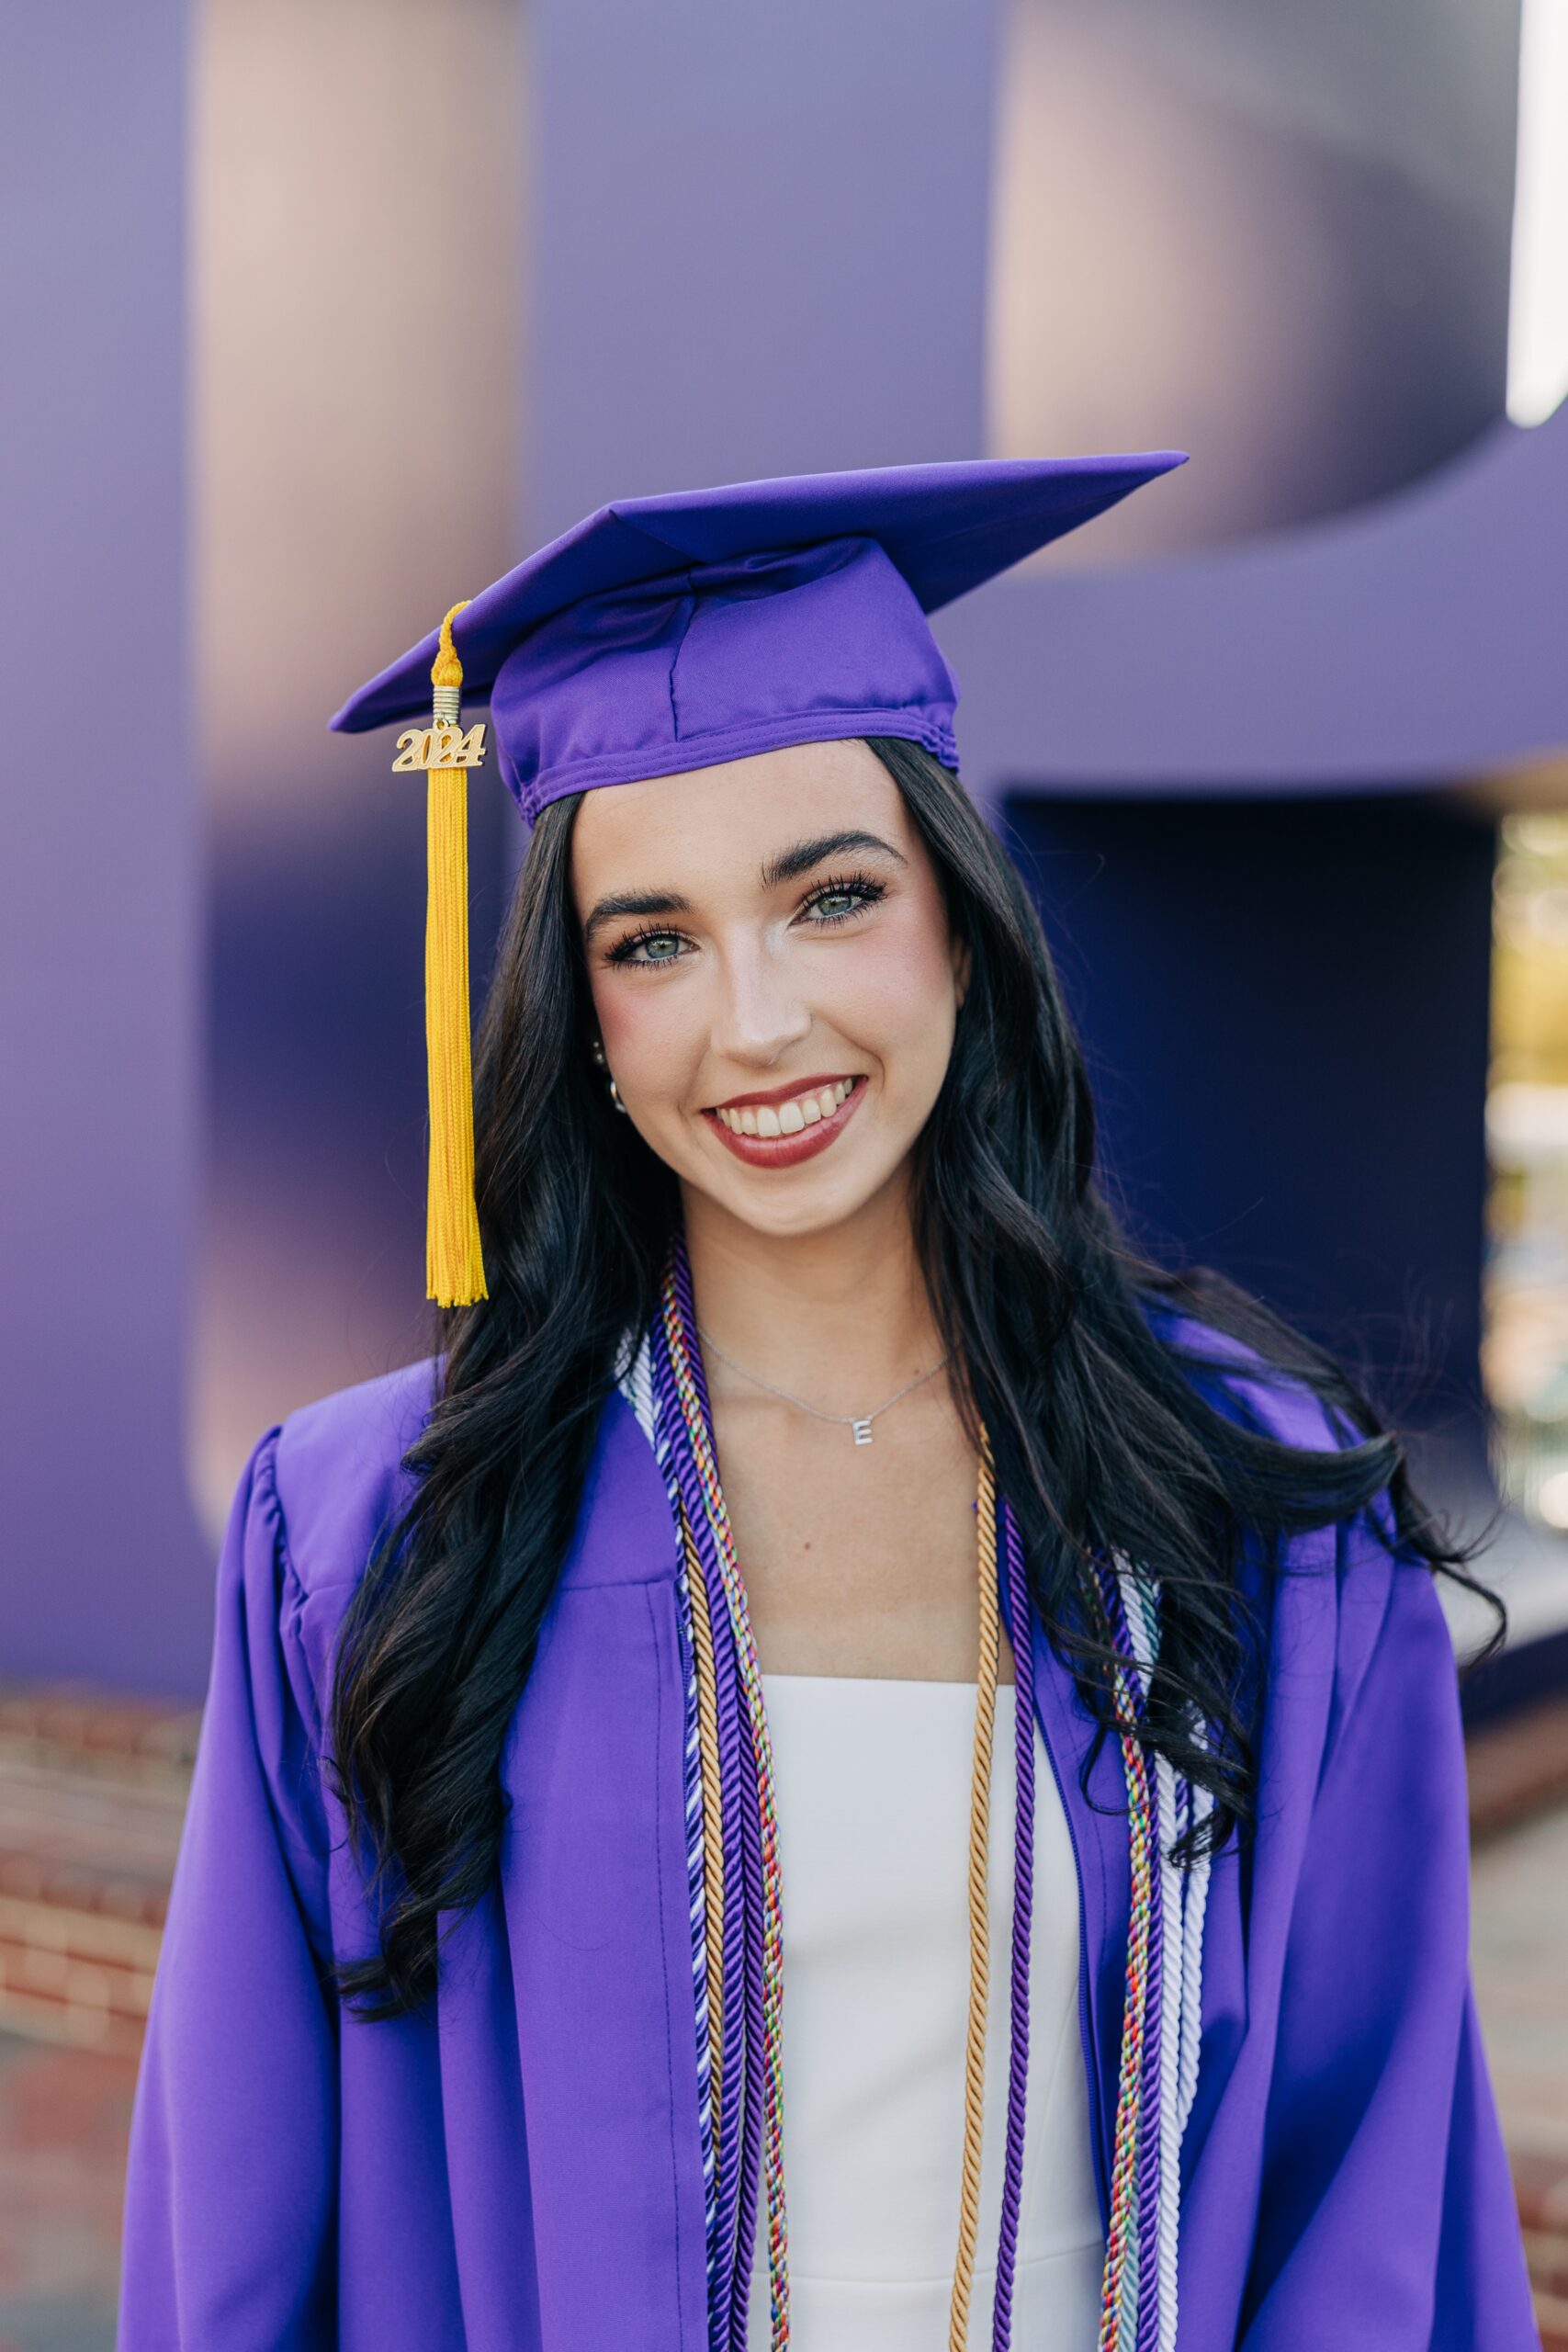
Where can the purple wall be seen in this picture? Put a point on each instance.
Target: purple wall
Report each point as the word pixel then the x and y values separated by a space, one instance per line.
pixel 104 1573
pixel 1418 642
pixel 1283 1003
pixel 761 242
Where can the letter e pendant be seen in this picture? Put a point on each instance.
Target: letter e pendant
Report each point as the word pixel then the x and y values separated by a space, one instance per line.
pixel 862 1432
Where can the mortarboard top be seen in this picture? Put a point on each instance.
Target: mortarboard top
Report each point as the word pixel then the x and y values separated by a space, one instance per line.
pixel 673 632
pixel 677 632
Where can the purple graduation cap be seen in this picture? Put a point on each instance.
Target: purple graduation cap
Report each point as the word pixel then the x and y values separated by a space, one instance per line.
pixel 670 633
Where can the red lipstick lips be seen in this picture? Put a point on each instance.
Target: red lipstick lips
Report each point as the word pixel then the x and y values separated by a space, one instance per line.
pixel 805 1116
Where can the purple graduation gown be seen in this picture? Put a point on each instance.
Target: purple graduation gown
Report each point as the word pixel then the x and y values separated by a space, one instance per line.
pixel 521 2171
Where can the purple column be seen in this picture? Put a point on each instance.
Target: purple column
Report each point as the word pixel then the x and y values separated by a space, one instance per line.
pixel 104 1574
pixel 762 241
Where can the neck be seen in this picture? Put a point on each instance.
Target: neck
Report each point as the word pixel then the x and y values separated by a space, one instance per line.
pixel 838 1316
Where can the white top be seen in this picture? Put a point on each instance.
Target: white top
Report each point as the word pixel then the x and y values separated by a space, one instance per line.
pixel 873 1783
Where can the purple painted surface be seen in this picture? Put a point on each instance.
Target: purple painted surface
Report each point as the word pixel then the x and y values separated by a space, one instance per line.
pixel 1416 641
pixel 1336 1041
pixel 99 995
pixel 763 245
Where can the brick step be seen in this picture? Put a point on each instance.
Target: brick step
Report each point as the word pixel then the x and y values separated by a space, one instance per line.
pixel 1540 2183
pixel 92 1793
pixel 92 1790
pixel 1518 1765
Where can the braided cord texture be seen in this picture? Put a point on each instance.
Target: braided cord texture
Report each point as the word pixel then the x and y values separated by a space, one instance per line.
pixel 723 1821
pixel 761 1863
pixel 1020 1625
pixel 713 1806
pixel 1118 2297
pixel 1162 2019
pixel 979 1951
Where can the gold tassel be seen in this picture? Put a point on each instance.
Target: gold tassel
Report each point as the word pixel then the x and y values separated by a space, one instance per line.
pixel 455 1273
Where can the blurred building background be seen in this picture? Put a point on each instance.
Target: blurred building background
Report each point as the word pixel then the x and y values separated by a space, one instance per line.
pixel 326 310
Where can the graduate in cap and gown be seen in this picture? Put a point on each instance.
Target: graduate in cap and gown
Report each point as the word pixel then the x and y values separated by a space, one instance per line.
pixel 850 1762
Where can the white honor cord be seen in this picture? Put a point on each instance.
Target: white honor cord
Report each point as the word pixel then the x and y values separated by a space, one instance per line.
pixel 1183 1900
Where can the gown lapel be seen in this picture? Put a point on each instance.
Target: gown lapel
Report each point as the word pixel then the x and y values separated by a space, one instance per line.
pixel 1099 1834
pixel 595 1890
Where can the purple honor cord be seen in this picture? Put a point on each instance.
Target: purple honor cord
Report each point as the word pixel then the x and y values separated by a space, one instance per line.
pixel 737 1795
pixel 743 1897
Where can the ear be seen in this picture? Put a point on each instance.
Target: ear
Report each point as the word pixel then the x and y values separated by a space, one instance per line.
pixel 960 965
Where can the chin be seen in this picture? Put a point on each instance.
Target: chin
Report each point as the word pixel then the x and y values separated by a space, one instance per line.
pixel 770 1205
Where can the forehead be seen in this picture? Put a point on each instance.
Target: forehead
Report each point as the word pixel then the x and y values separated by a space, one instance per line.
pixel 716 828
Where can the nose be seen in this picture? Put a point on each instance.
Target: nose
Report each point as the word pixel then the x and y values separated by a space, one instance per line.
pixel 760 1013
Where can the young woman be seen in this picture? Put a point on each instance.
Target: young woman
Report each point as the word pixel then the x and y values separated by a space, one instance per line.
pixel 851 1763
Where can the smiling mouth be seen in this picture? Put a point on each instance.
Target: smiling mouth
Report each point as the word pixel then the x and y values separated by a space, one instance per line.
pixel 789 1117
pixel 788 1127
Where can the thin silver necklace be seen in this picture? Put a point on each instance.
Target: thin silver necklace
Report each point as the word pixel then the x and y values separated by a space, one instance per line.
pixel 860 1422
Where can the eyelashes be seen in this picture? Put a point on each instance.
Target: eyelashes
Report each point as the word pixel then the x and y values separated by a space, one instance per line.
pixel 625 951
pixel 862 889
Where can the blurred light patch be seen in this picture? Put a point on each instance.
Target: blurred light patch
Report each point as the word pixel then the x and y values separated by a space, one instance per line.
pixel 1538 306
pixel 1525 1351
pixel 358 226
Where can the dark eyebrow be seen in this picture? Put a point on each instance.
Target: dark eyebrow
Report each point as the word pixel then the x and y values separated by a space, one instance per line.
pixel 791 864
pixel 635 902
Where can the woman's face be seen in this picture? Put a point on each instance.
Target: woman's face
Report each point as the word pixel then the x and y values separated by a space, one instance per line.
pixel 774 976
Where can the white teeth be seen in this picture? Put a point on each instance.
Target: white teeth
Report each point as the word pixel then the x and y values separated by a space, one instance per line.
pixel 787 1118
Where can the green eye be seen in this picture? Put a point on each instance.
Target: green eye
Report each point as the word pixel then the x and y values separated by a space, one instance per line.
pixel 840 900
pixel 648 947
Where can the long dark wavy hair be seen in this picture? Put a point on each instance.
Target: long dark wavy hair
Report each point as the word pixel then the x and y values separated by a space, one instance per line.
pixel 1110 1433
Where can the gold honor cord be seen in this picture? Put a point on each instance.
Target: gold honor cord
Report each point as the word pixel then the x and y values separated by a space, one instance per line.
pixel 979 1951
